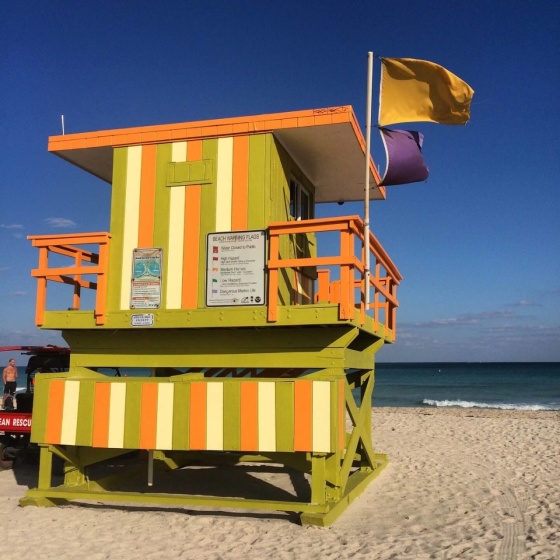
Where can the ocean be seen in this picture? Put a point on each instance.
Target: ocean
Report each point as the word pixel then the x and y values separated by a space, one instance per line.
pixel 508 385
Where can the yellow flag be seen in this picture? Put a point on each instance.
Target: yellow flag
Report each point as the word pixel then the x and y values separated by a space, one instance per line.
pixel 418 90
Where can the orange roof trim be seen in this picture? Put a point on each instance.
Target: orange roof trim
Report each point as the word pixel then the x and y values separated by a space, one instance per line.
pixel 204 129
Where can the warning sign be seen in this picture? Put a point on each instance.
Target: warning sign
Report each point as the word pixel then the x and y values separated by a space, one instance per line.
pixel 235 268
pixel 145 292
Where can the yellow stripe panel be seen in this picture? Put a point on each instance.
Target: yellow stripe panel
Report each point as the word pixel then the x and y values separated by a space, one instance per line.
pixel 179 151
pixel 224 184
pixel 267 416
pixel 70 413
pixel 116 415
pixel 164 432
pixel 215 416
pixel 176 234
pixel 131 213
pixel 321 416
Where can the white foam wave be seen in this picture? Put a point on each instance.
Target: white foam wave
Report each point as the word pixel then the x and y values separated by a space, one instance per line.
pixel 469 404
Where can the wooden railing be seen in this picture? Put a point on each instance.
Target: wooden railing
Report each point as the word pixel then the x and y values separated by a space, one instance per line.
pixel 349 291
pixel 69 245
pixel 347 262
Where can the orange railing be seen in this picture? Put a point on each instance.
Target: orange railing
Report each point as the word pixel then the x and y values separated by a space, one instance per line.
pixel 347 262
pixel 349 291
pixel 69 245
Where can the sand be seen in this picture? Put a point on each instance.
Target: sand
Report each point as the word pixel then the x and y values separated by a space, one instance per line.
pixel 461 484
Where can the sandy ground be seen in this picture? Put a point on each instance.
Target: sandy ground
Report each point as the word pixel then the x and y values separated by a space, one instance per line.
pixel 461 484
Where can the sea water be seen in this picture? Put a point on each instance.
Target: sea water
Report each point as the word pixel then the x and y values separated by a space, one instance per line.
pixel 508 386
pixel 109 372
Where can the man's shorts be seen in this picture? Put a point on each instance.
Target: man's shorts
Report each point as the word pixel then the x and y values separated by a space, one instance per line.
pixel 10 387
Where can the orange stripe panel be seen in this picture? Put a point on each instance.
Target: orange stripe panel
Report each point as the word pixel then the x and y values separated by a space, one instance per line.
pixel 191 245
pixel 197 420
pixel 240 190
pixel 249 417
pixel 303 411
pixel 147 196
pixel 54 411
pixel 148 416
pixel 102 397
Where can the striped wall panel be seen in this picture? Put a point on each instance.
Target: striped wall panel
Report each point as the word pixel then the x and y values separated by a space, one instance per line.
pixel 178 218
pixel 227 415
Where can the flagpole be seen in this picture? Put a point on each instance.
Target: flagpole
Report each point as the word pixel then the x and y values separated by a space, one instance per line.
pixel 366 194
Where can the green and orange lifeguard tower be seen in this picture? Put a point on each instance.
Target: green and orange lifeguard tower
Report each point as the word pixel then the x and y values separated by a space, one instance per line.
pixel 214 275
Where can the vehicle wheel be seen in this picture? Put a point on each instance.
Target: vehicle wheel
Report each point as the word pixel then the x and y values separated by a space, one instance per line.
pixel 8 457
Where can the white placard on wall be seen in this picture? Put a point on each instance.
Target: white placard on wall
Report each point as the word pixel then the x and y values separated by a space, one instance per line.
pixel 235 268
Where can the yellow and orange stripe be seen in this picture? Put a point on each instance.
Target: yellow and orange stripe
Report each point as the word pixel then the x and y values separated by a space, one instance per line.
pixel 259 408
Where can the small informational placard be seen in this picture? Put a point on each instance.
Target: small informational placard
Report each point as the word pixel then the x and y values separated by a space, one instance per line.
pixel 146 279
pixel 142 320
pixel 235 268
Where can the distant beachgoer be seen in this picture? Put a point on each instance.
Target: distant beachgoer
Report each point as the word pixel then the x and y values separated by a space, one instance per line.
pixel 9 377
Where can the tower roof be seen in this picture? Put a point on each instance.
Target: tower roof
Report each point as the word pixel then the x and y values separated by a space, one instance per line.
pixel 327 145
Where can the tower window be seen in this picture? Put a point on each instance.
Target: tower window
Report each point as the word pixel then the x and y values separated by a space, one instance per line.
pixel 300 201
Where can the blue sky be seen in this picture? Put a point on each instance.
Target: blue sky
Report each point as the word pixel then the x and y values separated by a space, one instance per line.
pixel 477 244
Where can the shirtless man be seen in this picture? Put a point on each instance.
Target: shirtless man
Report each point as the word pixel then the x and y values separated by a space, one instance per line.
pixel 9 377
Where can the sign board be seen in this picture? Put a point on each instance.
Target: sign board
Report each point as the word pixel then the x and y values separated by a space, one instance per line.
pixel 15 422
pixel 142 320
pixel 235 268
pixel 145 292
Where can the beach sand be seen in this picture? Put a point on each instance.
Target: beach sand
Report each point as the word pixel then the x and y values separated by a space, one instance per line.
pixel 460 484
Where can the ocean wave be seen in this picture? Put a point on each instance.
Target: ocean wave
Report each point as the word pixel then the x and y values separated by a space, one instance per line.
pixel 469 404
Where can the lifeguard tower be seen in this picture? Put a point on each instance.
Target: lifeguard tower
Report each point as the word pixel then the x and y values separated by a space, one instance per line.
pixel 215 275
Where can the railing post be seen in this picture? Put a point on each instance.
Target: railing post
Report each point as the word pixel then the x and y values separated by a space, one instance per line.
pixel 363 287
pixel 392 319
pixel 101 295
pixel 323 277
pixel 42 286
pixel 351 274
pixel 345 281
pixel 376 297
pixel 77 287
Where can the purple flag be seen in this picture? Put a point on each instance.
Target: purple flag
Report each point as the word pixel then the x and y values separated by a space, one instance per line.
pixel 405 163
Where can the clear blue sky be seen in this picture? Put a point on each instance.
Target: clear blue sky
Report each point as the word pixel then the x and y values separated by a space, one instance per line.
pixel 478 244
